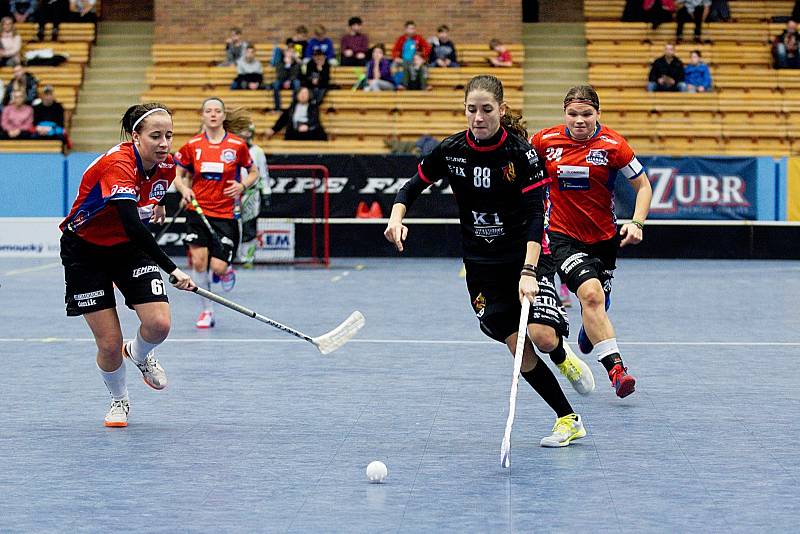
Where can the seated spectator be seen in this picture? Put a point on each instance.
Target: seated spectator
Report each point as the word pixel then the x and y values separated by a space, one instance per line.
pixel 355 44
pixel 318 76
pixel 10 43
pixel 409 44
pixel 21 81
pixel 22 10
pixel 503 57
pixel 696 74
pixel 785 53
pixel 720 11
pixel 379 71
pixel 443 50
pixel 300 41
pixel 320 42
pixel 48 116
pixel 17 119
pixel 249 71
pixel 666 73
pixel 301 120
pixel 696 10
pixel 54 12
pixel 415 75
pixel 658 12
pixel 83 11
pixel 235 47
pixel 287 74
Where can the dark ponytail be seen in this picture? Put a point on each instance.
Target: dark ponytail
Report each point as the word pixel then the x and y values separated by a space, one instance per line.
pixel 511 121
pixel 134 113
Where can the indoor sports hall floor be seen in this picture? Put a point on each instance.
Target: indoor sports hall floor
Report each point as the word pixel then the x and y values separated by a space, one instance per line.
pixel 258 432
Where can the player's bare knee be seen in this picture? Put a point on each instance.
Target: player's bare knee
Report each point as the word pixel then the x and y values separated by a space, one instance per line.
pixel 545 339
pixel 155 329
pixel 591 295
pixel 109 347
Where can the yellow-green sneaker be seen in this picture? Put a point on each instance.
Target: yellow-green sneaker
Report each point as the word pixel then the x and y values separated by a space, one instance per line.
pixel 566 430
pixel 577 372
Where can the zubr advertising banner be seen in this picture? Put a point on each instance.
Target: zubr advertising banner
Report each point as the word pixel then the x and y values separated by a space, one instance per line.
pixel 695 188
pixel 683 188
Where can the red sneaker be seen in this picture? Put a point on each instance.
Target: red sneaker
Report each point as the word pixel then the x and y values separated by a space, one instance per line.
pixel 623 383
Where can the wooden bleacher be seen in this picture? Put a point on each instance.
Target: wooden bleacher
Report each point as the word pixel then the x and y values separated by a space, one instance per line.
pixel 751 111
pixel 741 10
pixel 356 121
pixel 75 40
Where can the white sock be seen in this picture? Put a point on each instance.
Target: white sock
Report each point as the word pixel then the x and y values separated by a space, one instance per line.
pixel 115 382
pixel 139 348
pixel 606 347
pixel 202 279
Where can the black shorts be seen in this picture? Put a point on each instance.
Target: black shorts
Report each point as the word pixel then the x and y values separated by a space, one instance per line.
pixel 494 292
pixel 227 230
pixel 577 262
pixel 91 271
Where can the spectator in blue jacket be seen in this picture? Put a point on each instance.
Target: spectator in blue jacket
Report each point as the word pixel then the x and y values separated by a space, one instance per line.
pixel 697 75
pixel 320 42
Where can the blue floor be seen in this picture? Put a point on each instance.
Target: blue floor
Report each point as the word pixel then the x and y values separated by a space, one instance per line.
pixel 258 432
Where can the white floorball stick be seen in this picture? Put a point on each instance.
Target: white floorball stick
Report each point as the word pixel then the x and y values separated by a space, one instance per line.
pixel 522 334
pixel 326 343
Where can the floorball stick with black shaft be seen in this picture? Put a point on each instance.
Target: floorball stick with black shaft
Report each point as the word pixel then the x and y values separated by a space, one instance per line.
pixel 169 224
pixel 522 331
pixel 326 343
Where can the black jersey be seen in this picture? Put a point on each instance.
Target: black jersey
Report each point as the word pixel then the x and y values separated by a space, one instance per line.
pixel 497 185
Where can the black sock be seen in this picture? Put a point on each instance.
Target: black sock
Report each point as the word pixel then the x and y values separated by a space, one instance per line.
pixel 611 360
pixel 546 385
pixel 559 354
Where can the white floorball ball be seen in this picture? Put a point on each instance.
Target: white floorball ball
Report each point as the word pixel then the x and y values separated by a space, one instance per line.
pixel 376 472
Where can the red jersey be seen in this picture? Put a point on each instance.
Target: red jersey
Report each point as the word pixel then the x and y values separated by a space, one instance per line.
pixel 581 203
pixel 117 174
pixel 211 166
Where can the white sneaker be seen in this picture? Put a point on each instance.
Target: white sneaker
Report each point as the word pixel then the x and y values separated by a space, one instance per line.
pixel 577 372
pixel 152 372
pixel 566 429
pixel 118 413
pixel 205 319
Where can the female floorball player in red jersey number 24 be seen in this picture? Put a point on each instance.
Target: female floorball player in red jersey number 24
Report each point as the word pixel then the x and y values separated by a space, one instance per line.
pixel 105 243
pixel 583 159
pixel 210 173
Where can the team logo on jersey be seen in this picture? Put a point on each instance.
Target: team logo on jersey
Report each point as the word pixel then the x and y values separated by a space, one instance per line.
pixel 509 173
pixel 228 155
pixel 597 156
pixel 479 304
pixel 158 190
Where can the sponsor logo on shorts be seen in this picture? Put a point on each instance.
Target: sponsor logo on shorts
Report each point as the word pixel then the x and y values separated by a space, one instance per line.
pixel 573 261
pixel 479 305
pixel 158 190
pixel 87 296
pixel 228 155
pixel 139 271
pixel 597 156
pixel 86 303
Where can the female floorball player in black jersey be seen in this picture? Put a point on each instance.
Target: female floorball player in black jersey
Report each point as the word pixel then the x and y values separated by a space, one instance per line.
pixel 105 243
pixel 497 181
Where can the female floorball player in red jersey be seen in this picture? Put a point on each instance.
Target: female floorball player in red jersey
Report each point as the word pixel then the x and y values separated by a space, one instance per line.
pixel 498 183
pixel 210 172
pixel 584 158
pixel 105 242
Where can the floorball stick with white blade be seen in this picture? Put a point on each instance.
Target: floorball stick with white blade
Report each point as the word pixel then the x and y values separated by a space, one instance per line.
pixel 522 334
pixel 326 343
